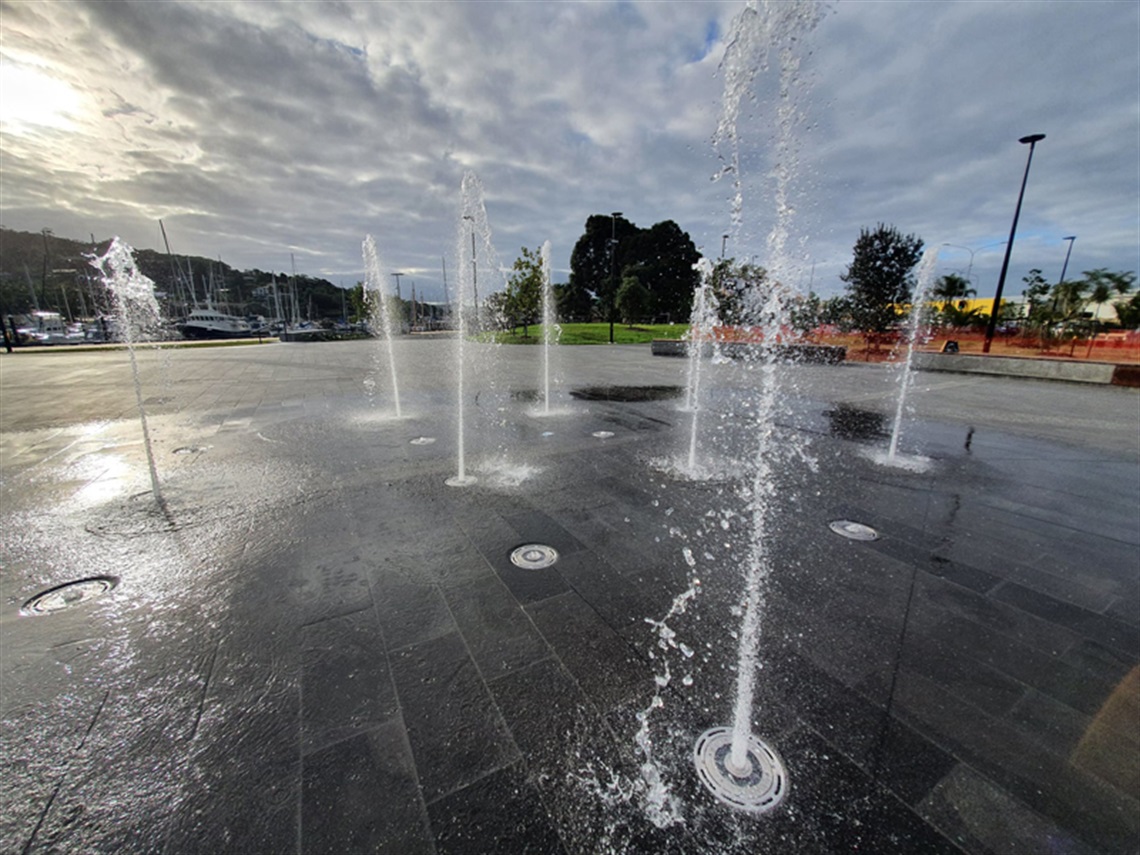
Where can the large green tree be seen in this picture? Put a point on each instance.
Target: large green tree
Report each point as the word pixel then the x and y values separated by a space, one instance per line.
pixel 632 300
pixel 598 259
pixel 661 257
pixel 880 276
pixel 664 257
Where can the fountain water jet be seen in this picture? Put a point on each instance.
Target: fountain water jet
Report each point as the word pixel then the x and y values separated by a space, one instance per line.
pixel 375 294
pixel 914 331
pixel 737 767
pixel 136 308
pixel 702 322
pixel 472 224
pixel 548 326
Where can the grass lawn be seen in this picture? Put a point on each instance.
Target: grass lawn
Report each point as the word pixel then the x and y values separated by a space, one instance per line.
pixel 591 334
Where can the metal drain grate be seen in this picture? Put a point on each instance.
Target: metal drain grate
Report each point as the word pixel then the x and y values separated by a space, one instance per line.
pixel 534 556
pixel 853 530
pixel 759 789
pixel 68 595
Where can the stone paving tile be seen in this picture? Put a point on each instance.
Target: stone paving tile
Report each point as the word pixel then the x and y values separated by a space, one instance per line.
pixel 605 666
pixel 500 814
pixel 456 732
pixel 498 633
pixel 361 795
pixel 345 684
pixel 409 610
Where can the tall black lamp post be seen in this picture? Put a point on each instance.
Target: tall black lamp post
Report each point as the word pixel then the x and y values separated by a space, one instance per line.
pixel 613 269
pixel 1032 141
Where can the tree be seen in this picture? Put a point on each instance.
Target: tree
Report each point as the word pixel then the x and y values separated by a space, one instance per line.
pixel 1039 311
pixel 574 304
pixel 959 316
pixel 632 300
pixel 661 257
pixel 596 258
pixel 1128 311
pixel 880 277
pixel 741 290
pixel 1103 283
pixel 952 287
pixel 524 290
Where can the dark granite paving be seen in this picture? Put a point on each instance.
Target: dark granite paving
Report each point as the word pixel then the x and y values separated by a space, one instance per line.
pixel 324 648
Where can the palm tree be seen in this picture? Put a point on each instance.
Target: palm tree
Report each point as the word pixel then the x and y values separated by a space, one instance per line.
pixel 952 291
pixel 1103 283
pixel 952 287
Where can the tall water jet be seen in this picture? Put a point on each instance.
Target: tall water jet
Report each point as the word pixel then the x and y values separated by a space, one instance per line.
pixel 702 325
pixel 736 766
pixel 377 298
pixel 473 233
pixel 548 326
pixel 915 323
pixel 137 312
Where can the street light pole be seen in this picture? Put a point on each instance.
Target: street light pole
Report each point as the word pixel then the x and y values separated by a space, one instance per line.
pixel 1065 266
pixel 1031 141
pixel 970 266
pixel 613 269
pixel 723 242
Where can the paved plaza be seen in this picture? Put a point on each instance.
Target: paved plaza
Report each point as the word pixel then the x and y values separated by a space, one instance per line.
pixel 314 644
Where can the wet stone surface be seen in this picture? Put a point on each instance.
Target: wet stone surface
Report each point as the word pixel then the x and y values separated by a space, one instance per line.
pixel 330 650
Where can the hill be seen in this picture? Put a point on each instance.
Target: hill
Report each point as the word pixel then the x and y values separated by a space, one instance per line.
pixel 42 270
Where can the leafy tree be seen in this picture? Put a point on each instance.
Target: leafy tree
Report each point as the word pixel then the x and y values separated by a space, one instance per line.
pixel 880 277
pixel 574 304
pixel 1128 311
pixel 632 300
pixel 836 311
pixel 596 258
pixel 358 304
pixel 952 287
pixel 960 317
pixel 1103 283
pixel 661 257
pixel 1069 298
pixel 1040 310
pixel 523 298
pixel 741 290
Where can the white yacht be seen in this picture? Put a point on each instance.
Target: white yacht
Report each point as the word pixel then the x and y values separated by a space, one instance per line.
pixel 208 323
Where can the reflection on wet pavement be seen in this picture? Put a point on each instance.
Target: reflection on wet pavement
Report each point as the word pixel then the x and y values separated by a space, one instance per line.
pixel 325 648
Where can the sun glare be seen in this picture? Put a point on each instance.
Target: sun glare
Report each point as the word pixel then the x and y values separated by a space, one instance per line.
pixel 29 98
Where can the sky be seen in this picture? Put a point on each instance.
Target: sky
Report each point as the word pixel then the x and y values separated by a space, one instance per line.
pixel 274 135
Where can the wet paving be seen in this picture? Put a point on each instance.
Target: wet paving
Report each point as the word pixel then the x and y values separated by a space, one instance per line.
pixel 320 646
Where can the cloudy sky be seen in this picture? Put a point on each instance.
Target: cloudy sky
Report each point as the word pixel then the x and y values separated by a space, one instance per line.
pixel 259 130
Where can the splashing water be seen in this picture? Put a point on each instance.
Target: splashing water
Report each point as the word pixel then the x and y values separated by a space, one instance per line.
pixel 763 31
pixel 378 299
pixel 662 806
pixel 137 311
